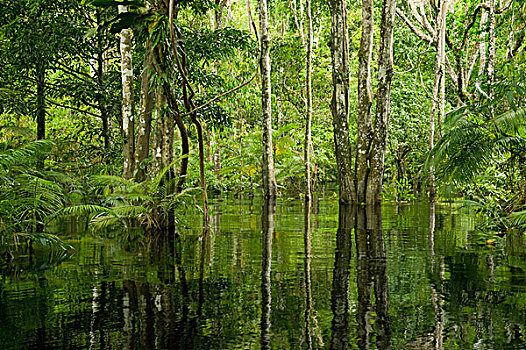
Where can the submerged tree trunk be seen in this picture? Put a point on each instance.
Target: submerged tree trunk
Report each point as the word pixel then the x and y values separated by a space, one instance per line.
pixel 365 101
pixel 439 87
pixel 340 98
pixel 308 119
pixel 372 140
pixel 127 100
pixel 383 104
pixel 269 180
pixel 145 121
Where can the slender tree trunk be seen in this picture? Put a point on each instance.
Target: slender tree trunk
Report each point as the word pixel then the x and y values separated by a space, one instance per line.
pixel 101 100
pixel 145 120
pixel 269 180
pixel 340 98
pixel 365 100
pixel 185 145
pixel 482 44
pixel 491 47
pixel 41 102
pixel 383 104
pixel 127 100
pixel 160 105
pixel 439 87
pixel 308 121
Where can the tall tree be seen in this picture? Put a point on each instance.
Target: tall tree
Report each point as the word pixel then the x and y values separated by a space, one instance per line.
pixel 365 100
pixel 128 127
pixel 371 138
pixel 340 98
pixel 144 123
pixel 308 119
pixel 439 86
pixel 269 180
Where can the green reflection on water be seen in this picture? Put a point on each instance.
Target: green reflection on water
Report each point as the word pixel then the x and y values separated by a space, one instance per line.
pixel 329 277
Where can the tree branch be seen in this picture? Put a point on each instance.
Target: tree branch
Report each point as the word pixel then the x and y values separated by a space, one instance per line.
pixel 73 108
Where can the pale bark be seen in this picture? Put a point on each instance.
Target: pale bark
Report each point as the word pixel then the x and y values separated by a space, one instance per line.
pixel 157 157
pixel 340 98
pixel 221 6
pixel 482 44
pixel 127 100
pixel 308 120
pixel 269 180
pixel 365 99
pixel 383 104
pixel 145 121
pixel 439 87
pixel 491 46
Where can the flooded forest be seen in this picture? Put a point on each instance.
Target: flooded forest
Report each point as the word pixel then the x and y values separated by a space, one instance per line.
pixel 254 174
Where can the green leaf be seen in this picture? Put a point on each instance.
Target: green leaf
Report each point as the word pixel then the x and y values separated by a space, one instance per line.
pixel 511 101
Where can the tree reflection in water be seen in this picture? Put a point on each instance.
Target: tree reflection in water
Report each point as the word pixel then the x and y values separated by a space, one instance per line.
pixel 371 272
pixel 269 208
pixel 340 279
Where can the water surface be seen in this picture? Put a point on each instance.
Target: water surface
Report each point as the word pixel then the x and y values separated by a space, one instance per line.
pixel 264 276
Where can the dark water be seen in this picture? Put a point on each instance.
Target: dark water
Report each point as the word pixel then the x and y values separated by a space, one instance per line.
pixel 264 277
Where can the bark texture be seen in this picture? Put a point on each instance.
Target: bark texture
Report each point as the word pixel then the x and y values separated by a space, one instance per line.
pixel 383 104
pixel 157 156
pixel 340 98
pixel 127 100
pixel 308 119
pixel 365 100
pixel 145 122
pixel 439 87
pixel 269 180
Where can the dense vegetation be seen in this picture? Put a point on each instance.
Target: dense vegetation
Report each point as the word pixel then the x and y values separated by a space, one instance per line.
pixel 121 110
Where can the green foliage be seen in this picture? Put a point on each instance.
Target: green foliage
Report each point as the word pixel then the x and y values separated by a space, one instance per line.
pixel 28 196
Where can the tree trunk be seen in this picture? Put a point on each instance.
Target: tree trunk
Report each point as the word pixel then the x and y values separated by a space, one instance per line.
pixel 365 100
pixel 127 100
pixel 340 98
pixel 383 104
pixel 157 156
pixel 145 120
pixel 269 180
pixel 482 44
pixel 41 102
pixel 491 47
pixel 439 87
pixel 308 121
